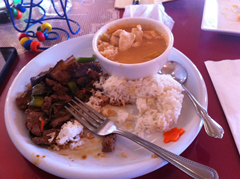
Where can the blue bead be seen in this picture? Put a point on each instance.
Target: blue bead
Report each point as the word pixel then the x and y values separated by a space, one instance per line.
pixel 46 35
pixel 27 44
pixel 20 8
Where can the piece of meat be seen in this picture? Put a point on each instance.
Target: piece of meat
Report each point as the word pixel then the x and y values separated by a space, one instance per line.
pixel 114 40
pixel 47 105
pixel 33 121
pixel 83 68
pixel 98 67
pixel 56 86
pixel 93 74
pixel 23 100
pixel 50 82
pixel 108 144
pixel 57 107
pixel 82 80
pixel 60 72
pixel 60 118
pixel 34 108
pixel 86 81
pixel 40 78
pixel 61 96
pixel 126 40
pixel 138 33
pixel 73 67
pixel 150 34
pixel 117 32
pixel 81 93
pixel 70 60
pixel 47 138
pixel 136 44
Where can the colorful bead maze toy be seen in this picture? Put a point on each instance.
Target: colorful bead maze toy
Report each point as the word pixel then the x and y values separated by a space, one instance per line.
pixel 45 31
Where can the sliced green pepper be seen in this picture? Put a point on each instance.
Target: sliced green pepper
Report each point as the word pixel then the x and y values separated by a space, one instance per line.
pixel 38 89
pixel 86 59
pixel 37 101
pixel 72 86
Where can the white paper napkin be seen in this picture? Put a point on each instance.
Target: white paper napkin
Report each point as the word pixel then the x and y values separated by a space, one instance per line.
pixel 123 3
pixel 154 11
pixel 225 76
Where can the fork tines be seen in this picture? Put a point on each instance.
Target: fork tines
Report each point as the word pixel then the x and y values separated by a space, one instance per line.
pixel 89 117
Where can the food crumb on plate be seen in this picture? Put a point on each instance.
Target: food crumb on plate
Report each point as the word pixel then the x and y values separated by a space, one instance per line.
pixel 108 112
pixel 101 154
pixel 128 125
pixel 124 155
pixel 90 135
pixel 154 156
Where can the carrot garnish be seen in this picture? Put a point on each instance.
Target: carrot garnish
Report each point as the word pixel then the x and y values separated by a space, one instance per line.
pixel 173 135
pixel 42 125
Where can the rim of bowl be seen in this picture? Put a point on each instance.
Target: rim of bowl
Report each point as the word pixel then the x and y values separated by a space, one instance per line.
pixel 115 22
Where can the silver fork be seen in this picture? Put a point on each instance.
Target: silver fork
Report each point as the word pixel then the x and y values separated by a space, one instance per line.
pixel 103 126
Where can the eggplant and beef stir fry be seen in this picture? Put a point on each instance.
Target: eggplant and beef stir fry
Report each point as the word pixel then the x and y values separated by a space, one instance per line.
pixel 43 102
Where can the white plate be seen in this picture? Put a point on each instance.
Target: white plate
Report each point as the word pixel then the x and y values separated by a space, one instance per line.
pixel 221 16
pixel 138 161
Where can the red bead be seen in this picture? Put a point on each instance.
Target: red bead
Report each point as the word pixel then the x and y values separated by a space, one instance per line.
pixel 40 36
pixel 34 46
pixel 19 15
pixel 21 36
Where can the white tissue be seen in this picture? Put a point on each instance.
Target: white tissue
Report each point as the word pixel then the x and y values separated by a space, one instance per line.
pixel 225 77
pixel 153 11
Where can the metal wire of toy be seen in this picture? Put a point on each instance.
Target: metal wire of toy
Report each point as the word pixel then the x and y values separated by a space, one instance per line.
pixel 43 34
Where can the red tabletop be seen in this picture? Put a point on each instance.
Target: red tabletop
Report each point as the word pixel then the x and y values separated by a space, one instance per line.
pixel 196 44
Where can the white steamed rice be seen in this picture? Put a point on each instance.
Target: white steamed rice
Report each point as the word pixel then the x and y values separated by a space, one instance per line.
pixel 158 99
pixel 70 133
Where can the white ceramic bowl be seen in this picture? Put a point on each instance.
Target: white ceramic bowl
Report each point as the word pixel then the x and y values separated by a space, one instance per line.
pixel 138 70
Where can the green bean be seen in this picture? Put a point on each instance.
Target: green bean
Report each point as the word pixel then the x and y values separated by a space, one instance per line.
pixel 86 59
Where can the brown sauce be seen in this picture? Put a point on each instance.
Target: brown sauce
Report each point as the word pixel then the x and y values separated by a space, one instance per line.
pixel 91 147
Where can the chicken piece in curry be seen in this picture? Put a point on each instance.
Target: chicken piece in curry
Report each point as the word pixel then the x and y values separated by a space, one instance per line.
pixel 131 45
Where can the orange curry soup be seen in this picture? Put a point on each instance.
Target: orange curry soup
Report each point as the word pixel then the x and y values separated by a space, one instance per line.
pixel 148 50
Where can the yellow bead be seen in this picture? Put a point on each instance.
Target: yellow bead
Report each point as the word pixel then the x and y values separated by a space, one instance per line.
pixel 46 26
pixel 23 40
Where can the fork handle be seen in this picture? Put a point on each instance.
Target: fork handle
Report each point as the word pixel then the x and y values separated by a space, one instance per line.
pixel 193 169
